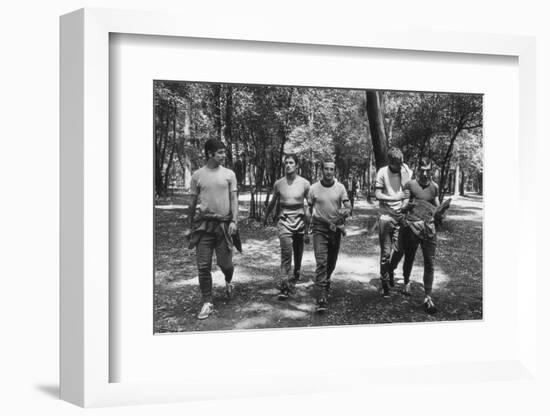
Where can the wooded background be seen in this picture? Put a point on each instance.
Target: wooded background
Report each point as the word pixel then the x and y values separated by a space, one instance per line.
pixel 260 123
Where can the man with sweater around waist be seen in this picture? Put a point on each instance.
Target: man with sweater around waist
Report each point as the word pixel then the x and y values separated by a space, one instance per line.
pixel 290 191
pixel 419 229
pixel 329 205
pixel 214 191
pixel 390 193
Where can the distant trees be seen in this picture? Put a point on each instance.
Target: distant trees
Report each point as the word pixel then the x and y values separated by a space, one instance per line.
pixel 259 124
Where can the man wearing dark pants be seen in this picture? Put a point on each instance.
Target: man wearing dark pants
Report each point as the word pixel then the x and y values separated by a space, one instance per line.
pixel 214 190
pixel 290 191
pixel 390 193
pixel 329 205
pixel 419 229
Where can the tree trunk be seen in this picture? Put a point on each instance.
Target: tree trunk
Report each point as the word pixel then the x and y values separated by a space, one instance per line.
pixel 376 125
pixel 216 110
pixel 462 182
pixel 457 180
pixel 369 162
pixel 228 127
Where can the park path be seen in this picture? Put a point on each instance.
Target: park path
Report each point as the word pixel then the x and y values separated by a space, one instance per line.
pixel 354 293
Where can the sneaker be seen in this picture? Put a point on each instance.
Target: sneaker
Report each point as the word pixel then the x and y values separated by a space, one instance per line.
pixel 385 289
pixel 429 305
pixel 392 278
pixel 407 289
pixel 206 310
pixel 228 290
pixel 322 305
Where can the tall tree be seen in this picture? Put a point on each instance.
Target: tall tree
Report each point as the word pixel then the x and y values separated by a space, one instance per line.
pixel 377 129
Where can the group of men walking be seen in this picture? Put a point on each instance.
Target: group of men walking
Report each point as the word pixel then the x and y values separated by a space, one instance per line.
pixel 406 220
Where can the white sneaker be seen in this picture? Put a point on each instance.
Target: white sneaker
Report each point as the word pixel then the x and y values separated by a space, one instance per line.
pixel 206 310
pixel 407 289
pixel 429 305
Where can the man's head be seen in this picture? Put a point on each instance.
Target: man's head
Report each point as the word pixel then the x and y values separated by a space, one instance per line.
pixel 328 166
pixel 291 163
pixel 395 159
pixel 424 171
pixel 214 149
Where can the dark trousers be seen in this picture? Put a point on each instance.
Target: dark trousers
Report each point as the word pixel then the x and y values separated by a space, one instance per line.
pixel 224 256
pixel 292 244
pixel 326 245
pixel 388 235
pixel 409 242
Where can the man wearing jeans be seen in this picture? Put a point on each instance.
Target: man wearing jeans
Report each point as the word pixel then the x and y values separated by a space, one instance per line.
pixel 329 205
pixel 214 190
pixel 419 229
pixel 390 193
pixel 290 191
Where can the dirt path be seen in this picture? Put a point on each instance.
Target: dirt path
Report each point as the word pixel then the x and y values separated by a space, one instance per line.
pixel 354 297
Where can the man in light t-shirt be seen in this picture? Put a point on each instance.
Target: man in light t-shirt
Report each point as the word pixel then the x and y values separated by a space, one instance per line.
pixel 390 193
pixel 290 191
pixel 214 192
pixel 329 206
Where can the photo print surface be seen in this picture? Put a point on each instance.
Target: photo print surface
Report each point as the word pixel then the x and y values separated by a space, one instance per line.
pixel 285 206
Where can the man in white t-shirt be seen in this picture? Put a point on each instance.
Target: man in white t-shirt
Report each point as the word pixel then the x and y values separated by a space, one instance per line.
pixel 390 193
pixel 329 206
pixel 290 192
pixel 214 192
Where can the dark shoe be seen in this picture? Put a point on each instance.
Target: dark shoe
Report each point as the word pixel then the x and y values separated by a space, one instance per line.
pixel 392 278
pixel 283 295
pixel 429 305
pixel 322 305
pixel 385 289
pixel 228 290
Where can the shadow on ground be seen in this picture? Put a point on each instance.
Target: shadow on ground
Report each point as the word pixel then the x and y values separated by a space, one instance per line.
pixel 354 297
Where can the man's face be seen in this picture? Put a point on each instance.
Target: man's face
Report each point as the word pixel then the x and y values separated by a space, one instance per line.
pixel 424 174
pixel 395 165
pixel 290 165
pixel 328 171
pixel 219 156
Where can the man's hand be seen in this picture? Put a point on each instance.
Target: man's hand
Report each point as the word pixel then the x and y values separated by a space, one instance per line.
pixel 232 228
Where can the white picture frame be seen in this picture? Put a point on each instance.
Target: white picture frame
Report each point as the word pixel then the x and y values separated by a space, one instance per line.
pixel 85 355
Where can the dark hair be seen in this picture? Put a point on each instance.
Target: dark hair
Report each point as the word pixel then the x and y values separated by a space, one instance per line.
pixel 395 155
pixel 327 160
pixel 293 157
pixel 212 146
pixel 425 163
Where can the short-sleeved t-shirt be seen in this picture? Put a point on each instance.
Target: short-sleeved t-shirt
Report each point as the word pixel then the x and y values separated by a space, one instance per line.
pixel 327 200
pixel 213 187
pixel 291 196
pixel 390 184
pixel 426 193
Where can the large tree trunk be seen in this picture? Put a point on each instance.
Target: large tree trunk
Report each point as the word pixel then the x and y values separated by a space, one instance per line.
pixel 378 134
pixel 457 180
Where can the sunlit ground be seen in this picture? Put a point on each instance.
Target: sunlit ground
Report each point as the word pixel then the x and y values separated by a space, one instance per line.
pixel 354 298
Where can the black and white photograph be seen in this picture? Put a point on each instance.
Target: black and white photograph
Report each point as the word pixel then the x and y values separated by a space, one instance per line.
pixel 285 206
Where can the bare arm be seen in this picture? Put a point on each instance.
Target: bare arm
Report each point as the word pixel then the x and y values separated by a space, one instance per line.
pixel 234 206
pixel 270 206
pixel 234 202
